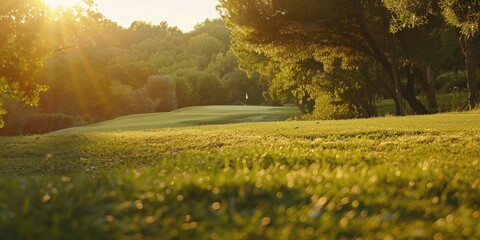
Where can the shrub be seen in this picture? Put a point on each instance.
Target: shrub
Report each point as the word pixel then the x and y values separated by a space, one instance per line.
pixel 161 89
pixel 449 81
pixel 276 103
pixel 47 122
pixel 126 101
pixel 327 108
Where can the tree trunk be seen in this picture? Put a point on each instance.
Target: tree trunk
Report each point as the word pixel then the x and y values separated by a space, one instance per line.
pixel 398 91
pixel 387 66
pixel 409 94
pixel 398 107
pixel 470 61
pixel 389 90
pixel 428 86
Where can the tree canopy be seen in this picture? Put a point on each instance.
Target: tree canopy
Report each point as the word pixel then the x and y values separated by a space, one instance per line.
pixel 334 59
pixel 464 15
pixel 97 70
pixel 23 49
pixel 348 32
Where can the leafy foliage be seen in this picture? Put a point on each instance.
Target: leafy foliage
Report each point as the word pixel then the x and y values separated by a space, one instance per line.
pixel 23 48
pixel 337 34
pixel 465 15
pixel 101 70
pixel 47 122
pixel 161 90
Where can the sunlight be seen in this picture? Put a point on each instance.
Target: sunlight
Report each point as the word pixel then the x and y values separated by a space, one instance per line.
pixel 54 4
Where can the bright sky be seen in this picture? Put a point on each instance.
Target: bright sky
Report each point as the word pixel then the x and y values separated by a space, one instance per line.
pixel 184 14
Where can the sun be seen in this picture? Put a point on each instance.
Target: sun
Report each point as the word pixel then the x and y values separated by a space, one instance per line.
pixel 61 3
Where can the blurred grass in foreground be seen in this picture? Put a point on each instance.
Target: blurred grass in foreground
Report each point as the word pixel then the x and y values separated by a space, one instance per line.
pixel 410 177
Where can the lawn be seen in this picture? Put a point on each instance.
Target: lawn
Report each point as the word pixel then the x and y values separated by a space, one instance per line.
pixel 412 177
pixel 192 116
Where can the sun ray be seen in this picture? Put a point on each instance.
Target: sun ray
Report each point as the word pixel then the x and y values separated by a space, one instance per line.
pixel 55 4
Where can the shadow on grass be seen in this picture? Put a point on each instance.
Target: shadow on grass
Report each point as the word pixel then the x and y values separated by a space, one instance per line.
pixel 38 155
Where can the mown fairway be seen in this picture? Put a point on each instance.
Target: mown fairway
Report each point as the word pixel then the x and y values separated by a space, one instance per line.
pixel 384 178
pixel 191 116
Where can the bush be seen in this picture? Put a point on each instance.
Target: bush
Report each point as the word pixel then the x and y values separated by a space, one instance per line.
pixel 449 81
pixel 126 101
pixel 161 89
pixel 276 103
pixel 326 108
pixel 210 90
pixel 139 103
pixel 17 115
pixel 47 122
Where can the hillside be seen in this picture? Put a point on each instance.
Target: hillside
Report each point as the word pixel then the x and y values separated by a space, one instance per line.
pixel 191 116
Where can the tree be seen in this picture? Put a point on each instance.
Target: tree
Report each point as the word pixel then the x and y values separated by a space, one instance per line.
pixel 208 88
pixel 237 82
pixel 215 28
pixel 134 74
pixel 465 15
pixel 205 47
pixel 161 89
pixel 352 31
pixel 23 49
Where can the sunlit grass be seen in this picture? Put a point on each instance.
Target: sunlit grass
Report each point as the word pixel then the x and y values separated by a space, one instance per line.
pixel 384 178
pixel 191 116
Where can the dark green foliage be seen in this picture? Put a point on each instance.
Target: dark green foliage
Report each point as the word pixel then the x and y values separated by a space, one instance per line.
pixel 134 74
pixel 184 92
pixel 347 34
pixel 464 15
pixel 215 28
pixel 161 89
pixel 17 115
pixel 126 101
pixel 209 89
pixel 106 72
pixel 451 81
pixel 343 95
pixel 205 46
pixel 40 123
pixel 23 48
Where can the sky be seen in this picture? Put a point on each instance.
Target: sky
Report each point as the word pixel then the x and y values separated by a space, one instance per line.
pixel 184 14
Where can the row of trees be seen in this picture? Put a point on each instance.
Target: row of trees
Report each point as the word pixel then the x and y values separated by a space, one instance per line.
pixel 340 54
pixel 464 15
pixel 95 70
pixel 333 58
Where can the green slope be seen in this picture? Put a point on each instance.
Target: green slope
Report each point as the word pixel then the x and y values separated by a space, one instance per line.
pixel 191 116
pixel 414 177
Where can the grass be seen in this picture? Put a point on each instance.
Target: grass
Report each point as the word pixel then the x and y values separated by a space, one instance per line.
pixel 191 116
pixel 384 178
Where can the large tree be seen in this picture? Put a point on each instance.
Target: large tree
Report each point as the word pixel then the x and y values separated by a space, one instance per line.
pixel 23 49
pixel 465 15
pixel 353 31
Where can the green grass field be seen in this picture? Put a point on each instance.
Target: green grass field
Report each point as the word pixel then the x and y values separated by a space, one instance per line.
pixel 383 178
pixel 191 116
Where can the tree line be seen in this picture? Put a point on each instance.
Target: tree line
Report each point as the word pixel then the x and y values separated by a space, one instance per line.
pixel 334 57
pixel 90 69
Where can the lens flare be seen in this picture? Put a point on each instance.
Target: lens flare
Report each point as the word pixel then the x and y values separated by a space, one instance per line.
pixel 61 3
